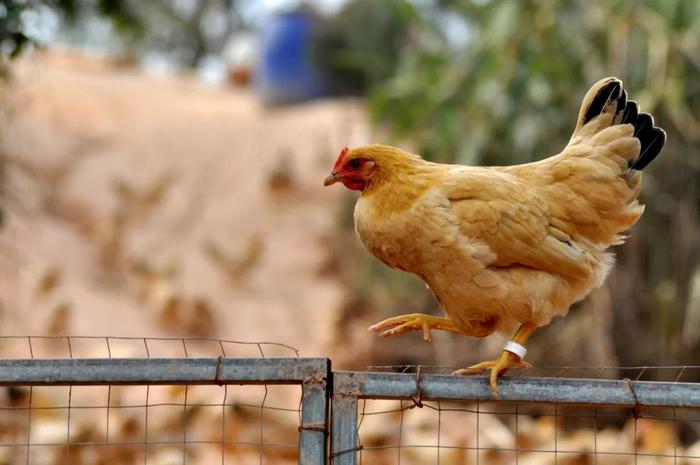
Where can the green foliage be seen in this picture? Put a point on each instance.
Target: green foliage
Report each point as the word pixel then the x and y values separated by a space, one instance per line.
pixel 123 14
pixel 174 28
pixel 361 46
pixel 12 36
pixel 510 93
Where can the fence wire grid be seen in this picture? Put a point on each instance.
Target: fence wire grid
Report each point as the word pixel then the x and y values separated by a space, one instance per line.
pixel 408 415
pixel 177 413
pixel 119 400
pixel 401 432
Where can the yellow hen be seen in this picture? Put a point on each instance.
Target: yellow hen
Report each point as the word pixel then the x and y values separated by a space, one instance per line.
pixel 506 248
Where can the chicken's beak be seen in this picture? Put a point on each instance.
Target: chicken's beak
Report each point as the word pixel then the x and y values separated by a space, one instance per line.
pixel 331 179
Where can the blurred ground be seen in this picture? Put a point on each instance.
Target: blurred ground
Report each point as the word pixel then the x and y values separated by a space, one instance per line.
pixel 151 206
pixel 145 205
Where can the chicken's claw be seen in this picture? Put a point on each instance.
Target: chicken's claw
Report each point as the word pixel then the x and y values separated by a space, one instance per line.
pixel 498 367
pixel 403 324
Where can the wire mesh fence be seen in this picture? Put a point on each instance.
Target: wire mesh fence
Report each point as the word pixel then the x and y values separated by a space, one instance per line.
pixel 89 400
pixel 396 432
pixel 108 425
pixel 417 418
pixel 159 400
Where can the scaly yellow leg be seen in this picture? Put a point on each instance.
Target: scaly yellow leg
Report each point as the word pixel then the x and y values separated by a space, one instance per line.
pixel 419 321
pixel 505 361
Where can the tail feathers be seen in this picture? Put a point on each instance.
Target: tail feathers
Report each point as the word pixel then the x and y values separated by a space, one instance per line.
pixel 606 105
pixel 651 138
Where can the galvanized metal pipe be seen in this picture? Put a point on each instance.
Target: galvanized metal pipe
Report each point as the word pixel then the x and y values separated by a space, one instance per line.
pixel 550 390
pixel 140 371
pixel 313 437
pixel 344 440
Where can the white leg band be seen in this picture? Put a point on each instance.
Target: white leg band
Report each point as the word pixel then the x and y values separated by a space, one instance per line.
pixel 515 348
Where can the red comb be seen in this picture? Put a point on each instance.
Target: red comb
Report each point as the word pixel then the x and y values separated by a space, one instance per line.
pixel 339 161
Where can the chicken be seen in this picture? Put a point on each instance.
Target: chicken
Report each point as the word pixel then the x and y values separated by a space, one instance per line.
pixel 505 249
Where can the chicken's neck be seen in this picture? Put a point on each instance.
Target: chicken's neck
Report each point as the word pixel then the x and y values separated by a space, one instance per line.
pixel 393 189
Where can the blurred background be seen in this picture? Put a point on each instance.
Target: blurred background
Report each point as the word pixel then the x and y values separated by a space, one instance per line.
pixel 161 164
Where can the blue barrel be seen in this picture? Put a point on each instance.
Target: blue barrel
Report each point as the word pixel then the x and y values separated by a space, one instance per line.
pixel 286 71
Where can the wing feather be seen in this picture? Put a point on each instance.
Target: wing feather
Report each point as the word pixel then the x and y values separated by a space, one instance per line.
pixel 515 222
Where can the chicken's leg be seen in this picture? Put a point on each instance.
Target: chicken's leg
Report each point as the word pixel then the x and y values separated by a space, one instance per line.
pixel 506 360
pixel 419 321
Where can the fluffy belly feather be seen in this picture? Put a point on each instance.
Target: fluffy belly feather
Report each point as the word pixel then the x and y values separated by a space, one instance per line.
pixel 510 296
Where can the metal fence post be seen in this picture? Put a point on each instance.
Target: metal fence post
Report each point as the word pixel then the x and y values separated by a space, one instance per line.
pixel 344 440
pixel 313 431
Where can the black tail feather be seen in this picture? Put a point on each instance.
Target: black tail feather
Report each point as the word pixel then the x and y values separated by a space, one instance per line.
pixel 652 142
pixel 651 138
pixel 609 91
pixel 643 125
pixel 621 105
pixel 631 113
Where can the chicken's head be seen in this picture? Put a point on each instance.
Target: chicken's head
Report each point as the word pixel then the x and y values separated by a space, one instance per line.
pixel 354 168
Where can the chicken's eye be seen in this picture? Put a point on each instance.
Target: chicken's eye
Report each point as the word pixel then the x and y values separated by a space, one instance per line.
pixel 355 164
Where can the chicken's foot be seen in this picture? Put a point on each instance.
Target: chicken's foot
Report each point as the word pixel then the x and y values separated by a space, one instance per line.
pixel 505 361
pixel 419 321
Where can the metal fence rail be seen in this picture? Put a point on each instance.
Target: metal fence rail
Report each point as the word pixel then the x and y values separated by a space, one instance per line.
pixel 626 393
